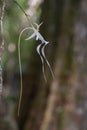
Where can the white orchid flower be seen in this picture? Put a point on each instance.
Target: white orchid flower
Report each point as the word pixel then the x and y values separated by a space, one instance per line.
pixel 40 50
pixel 43 41
pixel 37 34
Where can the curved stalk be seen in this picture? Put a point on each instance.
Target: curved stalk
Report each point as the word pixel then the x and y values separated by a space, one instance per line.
pixel 20 67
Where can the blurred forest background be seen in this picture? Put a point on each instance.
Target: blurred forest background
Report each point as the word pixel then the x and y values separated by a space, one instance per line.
pixel 61 103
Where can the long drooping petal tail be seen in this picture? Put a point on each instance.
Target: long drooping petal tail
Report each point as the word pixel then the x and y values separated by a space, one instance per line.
pixel 42 60
pixel 43 53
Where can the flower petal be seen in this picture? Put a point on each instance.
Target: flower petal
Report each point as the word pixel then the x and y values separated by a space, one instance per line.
pixel 40 37
pixel 37 37
pixel 32 36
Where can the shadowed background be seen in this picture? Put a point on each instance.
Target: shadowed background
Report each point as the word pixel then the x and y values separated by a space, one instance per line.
pixel 61 103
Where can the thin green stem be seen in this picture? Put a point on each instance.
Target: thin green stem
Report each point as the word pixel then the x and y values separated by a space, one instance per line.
pixel 20 70
pixel 27 16
pixel 19 54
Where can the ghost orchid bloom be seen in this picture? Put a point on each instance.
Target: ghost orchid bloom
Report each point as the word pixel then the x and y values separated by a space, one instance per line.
pixel 44 42
pixel 41 47
pixel 37 34
pixel 40 50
